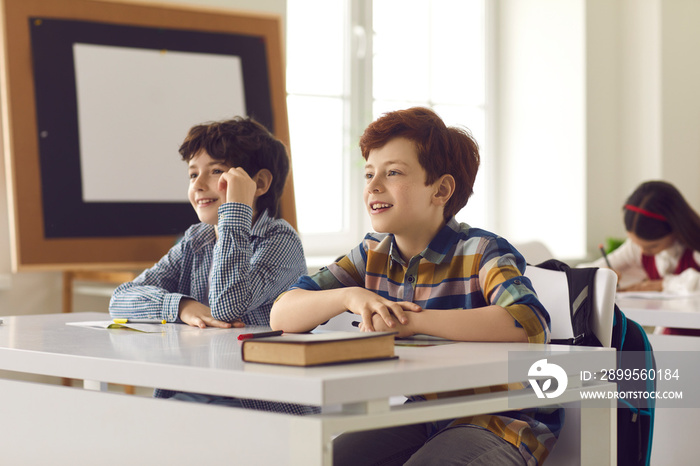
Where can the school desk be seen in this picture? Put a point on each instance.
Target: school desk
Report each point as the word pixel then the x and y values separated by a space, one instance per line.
pixel 41 422
pixel 664 311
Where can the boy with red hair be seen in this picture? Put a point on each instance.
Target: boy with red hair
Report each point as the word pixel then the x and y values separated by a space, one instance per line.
pixel 423 272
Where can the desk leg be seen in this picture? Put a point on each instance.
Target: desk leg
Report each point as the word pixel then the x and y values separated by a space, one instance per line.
pixel 309 444
pixel 95 385
pixel 598 433
pixel 312 437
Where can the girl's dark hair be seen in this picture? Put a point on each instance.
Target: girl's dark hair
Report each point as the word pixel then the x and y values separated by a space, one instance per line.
pixel 243 142
pixel 670 213
pixel 441 149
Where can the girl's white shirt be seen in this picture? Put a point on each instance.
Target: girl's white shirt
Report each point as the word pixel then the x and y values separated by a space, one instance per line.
pixel 626 260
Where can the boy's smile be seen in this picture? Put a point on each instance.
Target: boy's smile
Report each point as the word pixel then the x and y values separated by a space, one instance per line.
pixel 379 206
pixel 205 202
pixel 203 193
pixel 397 198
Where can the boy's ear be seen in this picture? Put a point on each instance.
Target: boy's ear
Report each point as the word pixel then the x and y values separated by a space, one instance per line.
pixel 445 189
pixel 263 180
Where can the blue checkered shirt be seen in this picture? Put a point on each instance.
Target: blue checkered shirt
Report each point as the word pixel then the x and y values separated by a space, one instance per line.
pixel 238 277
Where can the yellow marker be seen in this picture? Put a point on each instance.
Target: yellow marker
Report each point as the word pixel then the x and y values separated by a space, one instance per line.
pixel 139 321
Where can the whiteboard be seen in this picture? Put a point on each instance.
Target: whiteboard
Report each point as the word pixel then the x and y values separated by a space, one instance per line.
pixel 129 140
pixel 76 69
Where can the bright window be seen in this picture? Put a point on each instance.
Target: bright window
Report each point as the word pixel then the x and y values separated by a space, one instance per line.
pixel 340 77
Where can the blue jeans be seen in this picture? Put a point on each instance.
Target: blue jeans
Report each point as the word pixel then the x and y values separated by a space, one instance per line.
pixel 412 445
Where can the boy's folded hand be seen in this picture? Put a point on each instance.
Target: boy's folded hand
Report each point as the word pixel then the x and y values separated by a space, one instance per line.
pixel 379 325
pixel 367 304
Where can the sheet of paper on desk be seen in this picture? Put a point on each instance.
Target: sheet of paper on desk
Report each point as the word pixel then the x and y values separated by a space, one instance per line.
pixel 655 295
pixel 108 324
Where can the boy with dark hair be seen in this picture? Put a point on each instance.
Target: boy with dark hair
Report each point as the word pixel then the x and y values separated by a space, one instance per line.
pixel 231 266
pixel 423 272
pixel 244 143
pixel 228 269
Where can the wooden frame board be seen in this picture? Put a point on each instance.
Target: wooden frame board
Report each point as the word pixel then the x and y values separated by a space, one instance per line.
pixel 31 198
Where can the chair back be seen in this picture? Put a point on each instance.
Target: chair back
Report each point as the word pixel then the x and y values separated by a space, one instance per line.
pixel 552 290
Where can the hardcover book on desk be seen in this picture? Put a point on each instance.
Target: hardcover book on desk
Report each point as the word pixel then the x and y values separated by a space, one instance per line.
pixel 320 348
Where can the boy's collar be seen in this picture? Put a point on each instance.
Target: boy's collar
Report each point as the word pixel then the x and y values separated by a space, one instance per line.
pixel 437 248
pixel 394 252
pixel 261 224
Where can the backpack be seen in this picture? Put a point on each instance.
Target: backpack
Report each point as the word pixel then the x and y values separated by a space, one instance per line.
pixel 635 417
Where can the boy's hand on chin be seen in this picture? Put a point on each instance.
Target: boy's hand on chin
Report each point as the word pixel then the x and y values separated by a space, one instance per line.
pixel 238 186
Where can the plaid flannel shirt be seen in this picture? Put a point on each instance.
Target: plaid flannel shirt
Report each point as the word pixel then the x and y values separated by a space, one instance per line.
pixel 462 268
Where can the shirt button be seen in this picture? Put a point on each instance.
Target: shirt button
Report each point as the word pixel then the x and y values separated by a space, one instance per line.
pixel 410 279
pixel 516 281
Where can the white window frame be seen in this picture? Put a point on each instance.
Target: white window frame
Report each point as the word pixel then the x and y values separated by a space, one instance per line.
pixel 358 114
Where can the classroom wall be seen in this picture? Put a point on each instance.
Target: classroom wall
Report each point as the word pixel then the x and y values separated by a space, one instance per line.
pixel 610 86
pixel 659 104
pixel 40 292
pixel 540 121
pixel 680 87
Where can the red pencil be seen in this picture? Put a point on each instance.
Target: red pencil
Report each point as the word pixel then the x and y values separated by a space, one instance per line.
pixel 247 336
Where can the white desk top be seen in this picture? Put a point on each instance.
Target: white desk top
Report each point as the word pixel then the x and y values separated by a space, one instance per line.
pixel 681 312
pixel 208 360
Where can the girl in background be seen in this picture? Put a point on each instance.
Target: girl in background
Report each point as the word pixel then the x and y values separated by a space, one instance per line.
pixel 662 250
